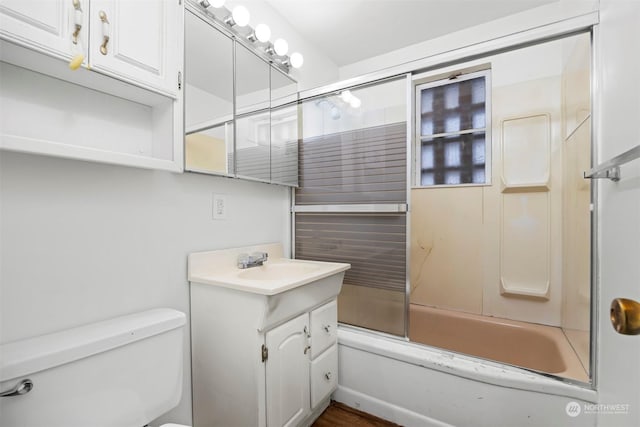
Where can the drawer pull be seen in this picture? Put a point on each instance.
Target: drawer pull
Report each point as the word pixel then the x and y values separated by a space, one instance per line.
pixel 327 328
pixel 328 376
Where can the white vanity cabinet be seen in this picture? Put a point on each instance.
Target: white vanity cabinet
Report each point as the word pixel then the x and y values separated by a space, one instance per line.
pixel 247 377
pixel 298 378
pixel 123 105
pixel 263 340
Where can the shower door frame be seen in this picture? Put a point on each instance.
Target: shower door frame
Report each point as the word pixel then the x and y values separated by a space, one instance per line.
pixel 583 24
pixel 377 208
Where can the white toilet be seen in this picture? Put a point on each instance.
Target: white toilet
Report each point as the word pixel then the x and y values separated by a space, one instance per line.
pixel 123 372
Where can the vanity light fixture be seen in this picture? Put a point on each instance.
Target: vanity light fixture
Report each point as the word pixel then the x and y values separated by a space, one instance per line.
pixel 213 3
pixel 355 102
pixel 262 33
pixel 280 47
pixel 348 98
pixel 296 60
pixel 239 18
pixel 345 95
pixel 334 110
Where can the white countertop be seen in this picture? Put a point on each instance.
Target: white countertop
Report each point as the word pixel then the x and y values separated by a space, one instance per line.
pixel 278 274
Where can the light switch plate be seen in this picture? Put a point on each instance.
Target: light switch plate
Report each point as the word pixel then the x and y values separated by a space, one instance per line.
pixel 219 206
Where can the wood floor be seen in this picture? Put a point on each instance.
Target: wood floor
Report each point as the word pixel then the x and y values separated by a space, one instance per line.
pixel 339 415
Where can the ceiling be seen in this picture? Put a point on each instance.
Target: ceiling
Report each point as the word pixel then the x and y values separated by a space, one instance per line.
pixel 348 31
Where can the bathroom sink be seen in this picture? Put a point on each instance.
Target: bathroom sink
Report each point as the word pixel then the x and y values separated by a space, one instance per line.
pixel 275 270
pixel 269 294
pixel 277 275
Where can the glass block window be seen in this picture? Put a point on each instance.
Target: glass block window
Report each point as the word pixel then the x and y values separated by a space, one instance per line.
pixel 453 122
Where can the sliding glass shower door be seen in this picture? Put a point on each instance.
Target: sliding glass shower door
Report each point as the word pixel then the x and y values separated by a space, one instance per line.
pixel 351 203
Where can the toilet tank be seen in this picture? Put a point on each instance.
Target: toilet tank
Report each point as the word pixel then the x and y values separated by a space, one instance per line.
pixel 120 372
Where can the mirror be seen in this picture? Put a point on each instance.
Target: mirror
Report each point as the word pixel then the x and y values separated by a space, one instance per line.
pixel 252 81
pixel 241 119
pixel 283 89
pixel 253 120
pixel 253 145
pixel 210 150
pixel 284 145
pixel 284 129
pixel 208 98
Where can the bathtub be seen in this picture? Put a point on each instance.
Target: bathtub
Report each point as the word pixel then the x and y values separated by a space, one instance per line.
pixel 537 347
pixel 416 385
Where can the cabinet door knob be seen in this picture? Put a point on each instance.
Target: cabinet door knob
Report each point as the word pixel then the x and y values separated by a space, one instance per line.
pixel 306 349
pixel 328 376
pixel 327 328
pixel 105 32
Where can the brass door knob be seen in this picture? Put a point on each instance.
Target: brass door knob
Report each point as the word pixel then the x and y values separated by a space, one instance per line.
pixel 625 316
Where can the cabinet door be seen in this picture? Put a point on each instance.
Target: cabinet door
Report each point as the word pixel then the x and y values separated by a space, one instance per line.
pixel 138 41
pixel 46 25
pixel 287 372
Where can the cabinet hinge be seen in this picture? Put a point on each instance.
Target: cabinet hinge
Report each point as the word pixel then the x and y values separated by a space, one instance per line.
pixel 179 80
pixel 265 353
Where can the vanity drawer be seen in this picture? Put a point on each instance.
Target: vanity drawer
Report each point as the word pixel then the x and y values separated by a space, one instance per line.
pixel 324 375
pixel 324 327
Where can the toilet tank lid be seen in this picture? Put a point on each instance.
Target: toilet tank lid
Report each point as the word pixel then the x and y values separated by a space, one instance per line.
pixel 35 354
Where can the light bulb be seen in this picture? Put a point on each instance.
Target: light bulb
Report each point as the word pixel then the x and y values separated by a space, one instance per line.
pixel 263 32
pixel 355 102
pixel 240 16
pixel 296 60
pixel 217 3
pixel 281 47
pixel 346 96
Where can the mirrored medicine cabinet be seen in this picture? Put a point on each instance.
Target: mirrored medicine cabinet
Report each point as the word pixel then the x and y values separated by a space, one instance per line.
pixel 241 112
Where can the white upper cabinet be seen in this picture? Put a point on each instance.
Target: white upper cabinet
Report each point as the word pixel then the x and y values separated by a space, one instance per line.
pixel 94 80
pixel 137 41
pixel 58 27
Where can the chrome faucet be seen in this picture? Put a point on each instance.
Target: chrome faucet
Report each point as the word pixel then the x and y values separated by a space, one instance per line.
pixel 254 260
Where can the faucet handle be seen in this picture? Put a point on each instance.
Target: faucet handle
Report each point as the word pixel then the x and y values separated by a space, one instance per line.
pixel 243 260
pixel 260 255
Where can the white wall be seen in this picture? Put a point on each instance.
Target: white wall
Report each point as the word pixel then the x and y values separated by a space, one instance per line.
pixel 81 241
pixel 471 36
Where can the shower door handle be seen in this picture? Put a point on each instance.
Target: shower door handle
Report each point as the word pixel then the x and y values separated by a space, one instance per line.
pixel 625 316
